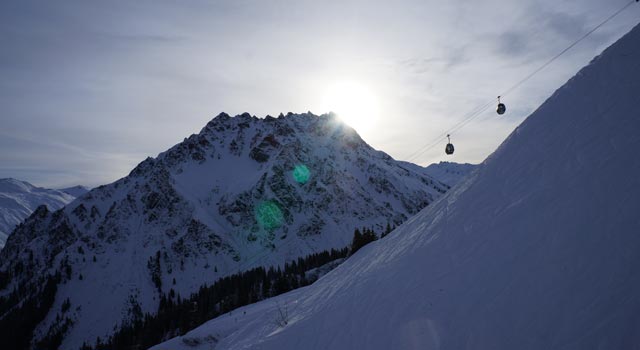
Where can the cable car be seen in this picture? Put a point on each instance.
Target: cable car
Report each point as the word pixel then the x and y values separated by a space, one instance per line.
pixel 449 149
pixel 501 107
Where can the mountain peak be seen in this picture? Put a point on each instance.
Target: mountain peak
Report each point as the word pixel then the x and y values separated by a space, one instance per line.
pixel 11 184
pixel 242 193
pixel 231 133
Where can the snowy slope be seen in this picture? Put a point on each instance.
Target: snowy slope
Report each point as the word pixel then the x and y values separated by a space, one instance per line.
pixel 18 199
pixel 538 249
pixel 242 193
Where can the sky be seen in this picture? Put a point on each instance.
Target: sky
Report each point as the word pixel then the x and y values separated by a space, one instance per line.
pixel 89 89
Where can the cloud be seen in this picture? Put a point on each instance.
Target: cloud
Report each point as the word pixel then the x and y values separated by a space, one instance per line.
pixel 513 44
pixel 451 59
pixel 566 25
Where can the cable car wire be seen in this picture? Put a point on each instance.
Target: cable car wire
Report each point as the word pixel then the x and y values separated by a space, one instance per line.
pixel 475 113
pixel 454 128
pixel 516 85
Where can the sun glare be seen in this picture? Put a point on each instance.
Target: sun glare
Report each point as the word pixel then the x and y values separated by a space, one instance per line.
pixel 354 103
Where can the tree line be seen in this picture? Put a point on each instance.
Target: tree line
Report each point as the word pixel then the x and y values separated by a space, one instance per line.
pixel 176 315
pixel 22 310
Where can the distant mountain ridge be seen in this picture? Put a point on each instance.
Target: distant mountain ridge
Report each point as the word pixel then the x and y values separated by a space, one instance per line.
pixel 18 199
pixel 244 192
pixel 449 172
pixel 75 191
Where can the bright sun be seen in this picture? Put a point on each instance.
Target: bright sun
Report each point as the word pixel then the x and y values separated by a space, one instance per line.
pixel 354 103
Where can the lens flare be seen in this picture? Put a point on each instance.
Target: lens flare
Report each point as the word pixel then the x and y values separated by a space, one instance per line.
pixel 301 173
pixel 269 215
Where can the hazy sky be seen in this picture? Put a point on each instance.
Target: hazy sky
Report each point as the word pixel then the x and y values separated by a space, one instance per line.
pixel 90 88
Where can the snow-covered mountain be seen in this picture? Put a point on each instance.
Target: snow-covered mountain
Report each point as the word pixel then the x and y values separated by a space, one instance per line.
pixel 244 192
pixel 75 191
pixel 538 249
pixel 18 199
pixel 449 172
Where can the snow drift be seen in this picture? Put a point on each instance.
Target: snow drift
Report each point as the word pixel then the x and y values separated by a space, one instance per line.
pixel 538 249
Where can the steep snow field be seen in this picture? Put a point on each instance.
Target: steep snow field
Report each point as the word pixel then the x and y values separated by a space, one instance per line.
pixel 18 199
pixel 538 249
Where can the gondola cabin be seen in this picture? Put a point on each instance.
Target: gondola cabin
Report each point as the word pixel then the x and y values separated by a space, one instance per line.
pixel 501 107
pixel 449 148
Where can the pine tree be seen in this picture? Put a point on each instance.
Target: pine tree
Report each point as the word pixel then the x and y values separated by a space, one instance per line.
pixel 356 242
pixel 387 230
pixel 361 239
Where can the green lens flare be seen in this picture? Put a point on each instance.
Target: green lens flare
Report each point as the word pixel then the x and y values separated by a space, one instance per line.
pixel 301 173
pixel 269 215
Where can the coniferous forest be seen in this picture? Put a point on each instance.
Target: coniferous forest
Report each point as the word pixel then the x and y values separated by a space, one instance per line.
pixel 18 322
pixel 176 315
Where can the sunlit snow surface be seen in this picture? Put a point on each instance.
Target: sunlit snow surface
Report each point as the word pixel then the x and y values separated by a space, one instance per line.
pixel 538 249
